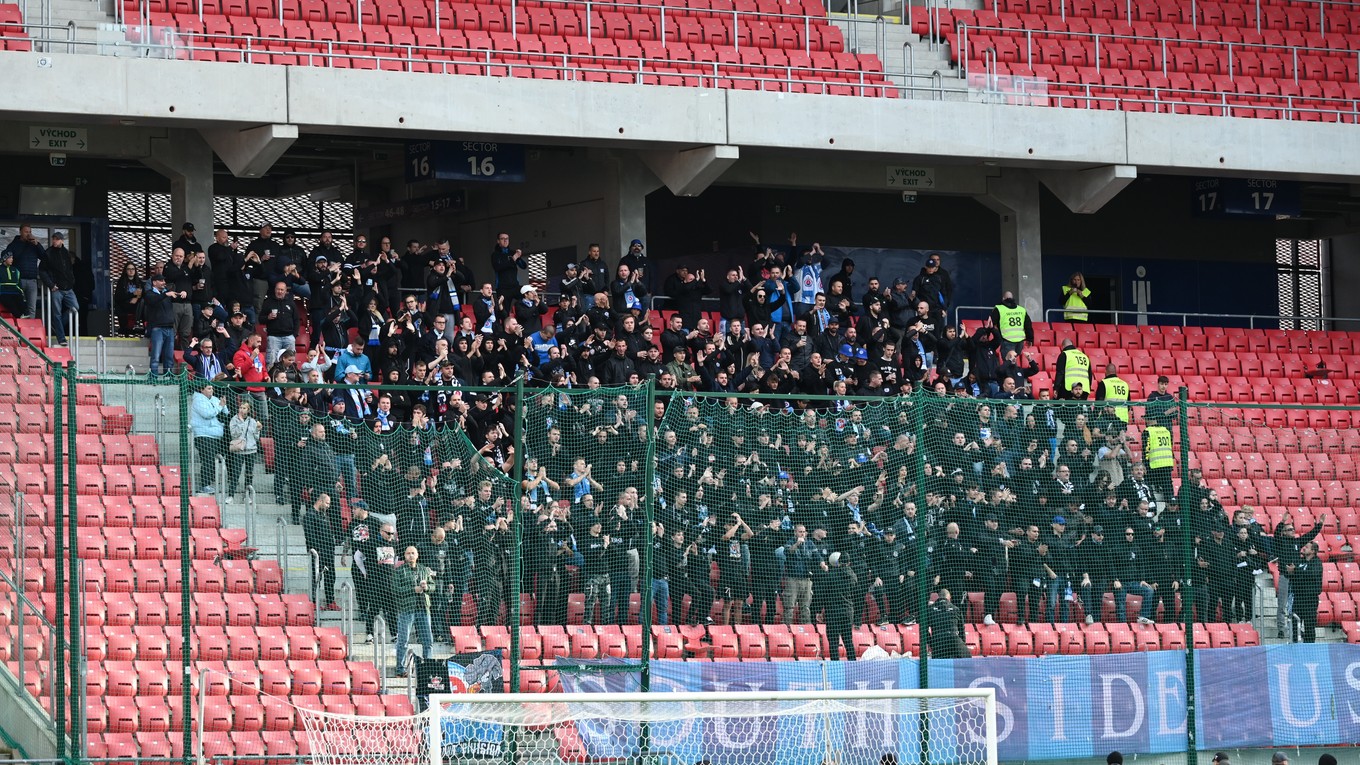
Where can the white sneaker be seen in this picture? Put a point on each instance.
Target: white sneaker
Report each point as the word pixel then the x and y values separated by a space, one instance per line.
pixel 1090 619
pixel 1144 620
pixel 228 500
pixel 988 619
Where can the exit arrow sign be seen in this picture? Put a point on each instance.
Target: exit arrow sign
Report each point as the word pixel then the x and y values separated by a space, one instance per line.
pixel 58 138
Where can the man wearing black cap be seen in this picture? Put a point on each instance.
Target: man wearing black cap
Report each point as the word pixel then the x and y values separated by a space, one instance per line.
pixel 934 285
pixel 187 241
pixel 160 325
pixel 57 271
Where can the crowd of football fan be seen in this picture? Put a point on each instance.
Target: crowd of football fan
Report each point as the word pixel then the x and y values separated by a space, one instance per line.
pixel 803 506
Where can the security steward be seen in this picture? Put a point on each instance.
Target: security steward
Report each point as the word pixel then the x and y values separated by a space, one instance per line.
pixel 1072 367
pixel 1013 322
pixel 1159 454
pixel 1112 388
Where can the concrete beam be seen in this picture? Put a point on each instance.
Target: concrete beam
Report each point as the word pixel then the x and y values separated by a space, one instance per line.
pixel 185 158
pixel 688 172
pixel 251 152
pixel 1014 196
pixel 1086 191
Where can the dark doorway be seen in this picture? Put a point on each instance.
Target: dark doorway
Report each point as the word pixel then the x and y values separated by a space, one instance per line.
pixel 1104 298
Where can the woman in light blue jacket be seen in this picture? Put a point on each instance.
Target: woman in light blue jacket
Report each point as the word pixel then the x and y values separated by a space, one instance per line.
pixel 206 427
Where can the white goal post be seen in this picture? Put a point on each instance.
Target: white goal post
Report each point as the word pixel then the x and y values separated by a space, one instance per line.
pixel 860 727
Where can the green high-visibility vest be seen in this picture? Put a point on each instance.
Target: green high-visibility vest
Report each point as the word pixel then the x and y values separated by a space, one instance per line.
pixel 1075 299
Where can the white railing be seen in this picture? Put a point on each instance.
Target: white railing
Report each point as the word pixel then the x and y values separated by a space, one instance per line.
pixel 1166 48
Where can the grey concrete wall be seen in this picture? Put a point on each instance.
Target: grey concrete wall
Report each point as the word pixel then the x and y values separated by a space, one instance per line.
pixel 93 89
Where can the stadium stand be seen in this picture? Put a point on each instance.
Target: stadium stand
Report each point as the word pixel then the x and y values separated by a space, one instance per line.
pixel 1271 60
pixel 765 45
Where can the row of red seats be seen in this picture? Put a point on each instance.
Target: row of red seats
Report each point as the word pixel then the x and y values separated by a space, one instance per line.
pixel 1334 19
pixel 1155 337
pixel 1269 48
pixel 91 420
pixel 283 745
pixel 149 714
pixel 115 480
pixel 91 450
pixel 1118 62
pixel 281 678
pixel 1220 438
pixel 208 609
pixel 298 642
pixel 1270 469
pixel 125 512
pixel 808 641
pixel 122 544
pixel 227 576
pixel 422 12
pixel 215 33
pixel 473 31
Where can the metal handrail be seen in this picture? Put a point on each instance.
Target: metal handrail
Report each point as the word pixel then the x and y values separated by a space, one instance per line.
pixel 346 597
pixel 251 512
pixel 73 336
pixel 101 354
pixel 316 573
pixel 280 557
pixel 380 640
pixel 1164 42
pixel 220 479
pixel 1252 318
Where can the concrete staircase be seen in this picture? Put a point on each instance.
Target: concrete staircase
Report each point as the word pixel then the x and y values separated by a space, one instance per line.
pixel 155 411
pixel 86 15
pixel 909 61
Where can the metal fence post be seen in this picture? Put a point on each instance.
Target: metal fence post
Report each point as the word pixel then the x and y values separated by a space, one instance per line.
pixel 59 490
pixel 1187 596
pixel 186 553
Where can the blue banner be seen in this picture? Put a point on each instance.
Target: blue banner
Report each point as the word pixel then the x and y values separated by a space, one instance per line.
pixel 1047 708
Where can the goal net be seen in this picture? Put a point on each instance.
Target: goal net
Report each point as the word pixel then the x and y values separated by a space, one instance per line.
pixel 790 728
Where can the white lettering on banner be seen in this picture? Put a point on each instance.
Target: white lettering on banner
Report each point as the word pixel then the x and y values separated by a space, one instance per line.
pixel 1286 695
pixel 910 177
pixel 58 139
pixel 1353 680
pixel 1059 707
pixel 1170 689
pixel 1003 711
pixel 1139 710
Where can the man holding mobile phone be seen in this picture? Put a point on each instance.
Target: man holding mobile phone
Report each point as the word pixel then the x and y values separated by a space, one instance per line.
pixel 411 584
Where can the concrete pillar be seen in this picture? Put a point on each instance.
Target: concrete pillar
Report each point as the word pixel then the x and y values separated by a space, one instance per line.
pixel 1014 196
pixel 687 172
pixel 625 202
pixel 184 157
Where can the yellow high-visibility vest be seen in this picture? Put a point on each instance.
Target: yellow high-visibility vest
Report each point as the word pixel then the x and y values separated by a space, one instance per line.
pixel 1159 452
pixel 1075 299
pixel 1076 369
pixel 1012 323
pixel 1117 390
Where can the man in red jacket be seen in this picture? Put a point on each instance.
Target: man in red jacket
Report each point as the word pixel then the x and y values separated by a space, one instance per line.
pixel 249 363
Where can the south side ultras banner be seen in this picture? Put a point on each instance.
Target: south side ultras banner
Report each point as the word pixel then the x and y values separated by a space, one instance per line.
pixel 1060 707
